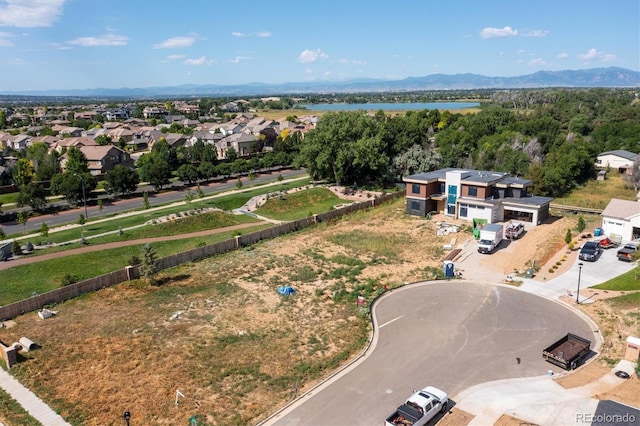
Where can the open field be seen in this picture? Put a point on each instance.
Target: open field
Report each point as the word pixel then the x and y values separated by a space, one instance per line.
pixel 218 331
pixel 597 194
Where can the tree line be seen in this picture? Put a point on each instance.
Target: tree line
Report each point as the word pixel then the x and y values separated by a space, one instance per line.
pixel 549 136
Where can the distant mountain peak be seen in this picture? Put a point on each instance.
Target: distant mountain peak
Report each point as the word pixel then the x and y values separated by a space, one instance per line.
pixel 593 77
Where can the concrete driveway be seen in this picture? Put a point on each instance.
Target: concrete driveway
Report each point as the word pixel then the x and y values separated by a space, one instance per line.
pixel 451 335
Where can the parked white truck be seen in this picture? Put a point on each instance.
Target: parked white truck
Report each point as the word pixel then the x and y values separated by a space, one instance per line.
pixel 419 408
pixel 490 238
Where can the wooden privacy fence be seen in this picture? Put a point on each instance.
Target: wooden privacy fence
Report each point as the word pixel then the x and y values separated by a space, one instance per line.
pixel 70 291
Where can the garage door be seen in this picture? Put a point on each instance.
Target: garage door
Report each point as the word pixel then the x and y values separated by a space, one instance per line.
pixel 612 227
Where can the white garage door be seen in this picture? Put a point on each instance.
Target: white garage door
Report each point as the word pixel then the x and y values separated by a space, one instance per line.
pixel 612 227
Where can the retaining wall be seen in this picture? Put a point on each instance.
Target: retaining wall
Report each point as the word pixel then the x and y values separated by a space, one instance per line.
pixel 61 294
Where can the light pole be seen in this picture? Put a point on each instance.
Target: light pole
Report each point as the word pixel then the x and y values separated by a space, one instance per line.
pixel 126 416
pixel 579 274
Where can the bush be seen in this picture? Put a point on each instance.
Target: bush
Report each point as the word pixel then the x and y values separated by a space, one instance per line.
pixel 134 260
pixel 67 279
pixel 15 248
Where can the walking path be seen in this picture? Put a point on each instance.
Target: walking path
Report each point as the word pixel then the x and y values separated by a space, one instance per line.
pixel 34 405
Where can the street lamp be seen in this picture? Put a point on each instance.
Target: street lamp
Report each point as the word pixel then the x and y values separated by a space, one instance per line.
pixel 84 197
pixel 579 274
pixel 126 416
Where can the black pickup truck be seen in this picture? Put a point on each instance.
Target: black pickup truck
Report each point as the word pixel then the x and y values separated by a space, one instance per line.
pixel 628 252
pixel 568 352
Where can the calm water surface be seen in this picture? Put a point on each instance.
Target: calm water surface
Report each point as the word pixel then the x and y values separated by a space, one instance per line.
pixel 417 106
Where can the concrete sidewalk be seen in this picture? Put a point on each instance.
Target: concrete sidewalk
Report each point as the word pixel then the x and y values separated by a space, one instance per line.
pixel 29 401
pixel 538 400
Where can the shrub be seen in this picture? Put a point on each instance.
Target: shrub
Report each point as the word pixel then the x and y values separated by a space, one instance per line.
pixel 67 279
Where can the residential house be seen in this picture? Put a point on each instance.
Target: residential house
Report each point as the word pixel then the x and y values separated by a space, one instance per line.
pixel 116 114
pixel 474 194
pixel 241 142
pixel 619 159
pixel 207 137
pixel 66 143
pixel 622 217
pixel 63 130
pixel 173 139
pixel 154 112
pixel 49 140
pixel 19 142
pixel 4 139
pixel 102 158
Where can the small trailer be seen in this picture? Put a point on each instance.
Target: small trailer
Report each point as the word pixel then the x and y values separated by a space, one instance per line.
pixel 568 352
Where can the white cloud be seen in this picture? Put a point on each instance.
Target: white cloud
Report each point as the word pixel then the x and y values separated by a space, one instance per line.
pixel 175 43
pixel 255 34
pixel 535 33
pixel 3 39
pixel 562 55
pixel 343 61
pixel 308 56
pixel 498 32
pixel 239 59
pixel 30 13
pixel 176 57
pixel 202 60
pixel 596 54
pixel 105 40
pixel 537 62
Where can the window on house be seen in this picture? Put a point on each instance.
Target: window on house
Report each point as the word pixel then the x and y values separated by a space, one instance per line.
pixel 473 191
pixel 451 209
pixel 415 188
pixel 415 205
pixel 463 210
pixel 441 187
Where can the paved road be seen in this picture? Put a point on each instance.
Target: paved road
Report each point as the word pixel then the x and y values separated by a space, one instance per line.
pixel 111 208
pixel 450 335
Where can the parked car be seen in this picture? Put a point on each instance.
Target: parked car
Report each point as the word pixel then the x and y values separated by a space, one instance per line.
pixel 590 251
pixel 628 252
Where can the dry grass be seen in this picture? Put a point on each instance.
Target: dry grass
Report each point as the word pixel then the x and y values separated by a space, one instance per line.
pixel 238 348
pixel 597 194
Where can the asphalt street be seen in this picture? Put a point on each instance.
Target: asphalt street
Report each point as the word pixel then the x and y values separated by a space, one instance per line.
pixel 111 208
pixel 451 335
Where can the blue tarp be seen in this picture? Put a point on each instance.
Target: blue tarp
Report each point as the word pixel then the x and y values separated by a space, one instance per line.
pixel 286 290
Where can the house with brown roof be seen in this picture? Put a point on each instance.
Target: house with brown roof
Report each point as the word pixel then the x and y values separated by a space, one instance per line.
pixel 102 158
pixel 622 217
pixel 66 143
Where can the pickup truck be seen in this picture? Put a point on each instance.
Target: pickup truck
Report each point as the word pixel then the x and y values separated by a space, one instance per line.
pixel 628 252
pixel 514 230
pixel 419 408
pixel 568 352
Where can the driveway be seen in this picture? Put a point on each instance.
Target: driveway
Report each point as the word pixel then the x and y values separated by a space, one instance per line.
pixel 451 335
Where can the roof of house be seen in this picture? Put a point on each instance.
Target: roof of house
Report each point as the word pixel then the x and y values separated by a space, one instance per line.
pixel 621 209
pixel 621 153
pixel 534 201
pixel 477 176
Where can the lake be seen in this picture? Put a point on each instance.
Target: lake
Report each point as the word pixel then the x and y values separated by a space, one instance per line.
pixel 403 106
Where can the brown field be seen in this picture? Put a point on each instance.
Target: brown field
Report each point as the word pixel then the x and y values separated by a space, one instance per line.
pixel 219 332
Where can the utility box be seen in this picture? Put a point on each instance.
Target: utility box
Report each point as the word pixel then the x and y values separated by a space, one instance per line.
pixel 633 349
pixel 448 269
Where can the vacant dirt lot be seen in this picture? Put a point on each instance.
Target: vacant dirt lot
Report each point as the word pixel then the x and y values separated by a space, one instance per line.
pixel 219 332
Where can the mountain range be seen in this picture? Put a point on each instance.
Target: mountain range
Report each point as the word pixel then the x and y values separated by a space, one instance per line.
pixel 594 77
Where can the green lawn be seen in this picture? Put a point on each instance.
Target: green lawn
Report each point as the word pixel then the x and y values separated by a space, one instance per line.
pixel 628 281
pixel 21 281
pixel 12 413
pixel 299 204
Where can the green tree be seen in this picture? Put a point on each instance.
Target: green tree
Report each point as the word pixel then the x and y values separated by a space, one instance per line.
pixel 581 224
pixel 145 200
pixel 76 162
pixel 44 230
pixel 45 162
pixel 568 237
pixel 23 172
pixel 75 188
pixel 121 180
pixel 33 195
pixel 153 169
pixel 148 266
pixel 231 154
pixel 187 173
pixel 15 248
pixel 81 219
pixel 207 170
pixel 23 217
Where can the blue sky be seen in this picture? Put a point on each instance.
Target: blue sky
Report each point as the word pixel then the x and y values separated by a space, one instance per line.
pixel 80 44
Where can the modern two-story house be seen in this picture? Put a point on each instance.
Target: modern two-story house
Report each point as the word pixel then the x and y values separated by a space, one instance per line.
pixel 475 194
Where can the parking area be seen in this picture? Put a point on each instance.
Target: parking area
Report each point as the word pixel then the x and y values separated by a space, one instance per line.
pixel 451 335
